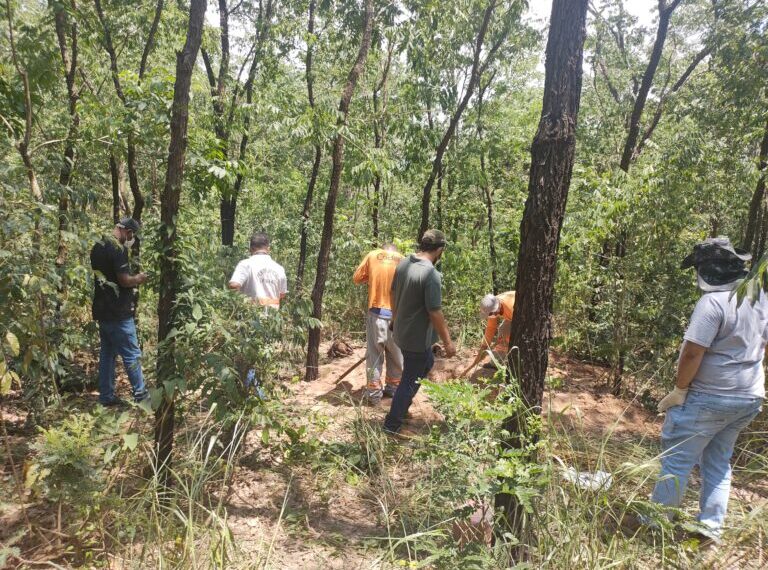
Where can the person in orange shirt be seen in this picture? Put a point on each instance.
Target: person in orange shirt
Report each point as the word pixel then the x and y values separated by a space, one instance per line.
pixel 377 270
pixel 495 308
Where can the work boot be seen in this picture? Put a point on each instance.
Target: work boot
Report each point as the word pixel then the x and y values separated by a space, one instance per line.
pixel 389 390
pixel 373 397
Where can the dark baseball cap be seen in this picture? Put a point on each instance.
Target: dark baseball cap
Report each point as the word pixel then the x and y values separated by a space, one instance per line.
pixel 433 239
pixel 129 224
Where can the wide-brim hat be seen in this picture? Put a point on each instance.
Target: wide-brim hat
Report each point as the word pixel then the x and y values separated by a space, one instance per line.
pixel 719 265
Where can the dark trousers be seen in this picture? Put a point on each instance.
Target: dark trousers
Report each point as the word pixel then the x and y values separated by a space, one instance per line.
pixel 416 365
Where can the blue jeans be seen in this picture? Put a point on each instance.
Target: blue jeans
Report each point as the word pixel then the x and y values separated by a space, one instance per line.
pixel 119 338
pixel 416 365
pixel 702 431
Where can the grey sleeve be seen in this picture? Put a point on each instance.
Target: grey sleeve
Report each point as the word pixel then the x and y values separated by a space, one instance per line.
pixel 433 293
pixel 705 321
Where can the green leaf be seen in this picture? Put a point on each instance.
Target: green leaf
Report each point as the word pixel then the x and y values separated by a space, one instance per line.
pixel 197 312
pixel 13 342
pixel 130 441
pixel 5 384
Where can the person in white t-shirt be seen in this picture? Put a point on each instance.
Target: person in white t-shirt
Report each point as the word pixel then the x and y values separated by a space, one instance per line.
pixel 259 276
pixel 720 384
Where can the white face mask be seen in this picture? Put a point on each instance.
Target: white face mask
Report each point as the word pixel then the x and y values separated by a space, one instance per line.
pixel 129 242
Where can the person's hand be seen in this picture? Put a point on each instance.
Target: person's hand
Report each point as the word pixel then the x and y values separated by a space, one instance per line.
pixel 141 277
pixel 450 350
pixel 675 398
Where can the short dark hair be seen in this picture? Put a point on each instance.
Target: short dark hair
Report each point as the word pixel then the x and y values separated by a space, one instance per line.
pixel 259 240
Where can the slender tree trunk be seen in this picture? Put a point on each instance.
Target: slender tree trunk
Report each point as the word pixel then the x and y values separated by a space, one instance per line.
pixel 552 158
pixel 307 210
pixel 169 264
pixel 69 64
pixel 23 145
pixel 379 134
pixel 474 78
pixel 305 214
pixel 114 172
pixel 758 198
pixel 630 143
pixel 228 206
pixel 632 146
pixel 486 188
pixel 313 349
pixel 133 176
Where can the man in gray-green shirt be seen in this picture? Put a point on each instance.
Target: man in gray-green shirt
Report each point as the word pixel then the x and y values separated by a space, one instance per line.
pixel 417 318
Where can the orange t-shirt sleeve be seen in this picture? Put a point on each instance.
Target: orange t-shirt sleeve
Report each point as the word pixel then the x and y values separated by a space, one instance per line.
pixel 490 331
pixel 361 273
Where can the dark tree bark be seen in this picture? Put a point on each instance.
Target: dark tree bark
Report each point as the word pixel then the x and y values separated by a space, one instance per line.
pixel 170 276
pixel 114 173
pixel 313 348
pixel 630 143
pixel 552 157
pixel 307 210
pixel 751 237
pixel 218 84
pixel 477 69
pixel 69 63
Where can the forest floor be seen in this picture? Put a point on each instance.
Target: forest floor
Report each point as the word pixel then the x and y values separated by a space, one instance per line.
pixel 338 527
pixel 287 514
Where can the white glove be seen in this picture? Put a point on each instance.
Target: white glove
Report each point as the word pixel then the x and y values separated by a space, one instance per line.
pixel 675 398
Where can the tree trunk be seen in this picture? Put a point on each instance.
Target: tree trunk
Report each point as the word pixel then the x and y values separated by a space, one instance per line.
pixel 227 214
pixel 23 145
pixel 114 172
pixel 474 78
pixel 631 149
pixel 487 192
pixel 229 202
pixel 307 211
pixel 379 134
pixel 313 348
pixel 758 199
pixel 630 144
pixel 69 65
pixel 169 261
pixel 305 214
pixel 552 158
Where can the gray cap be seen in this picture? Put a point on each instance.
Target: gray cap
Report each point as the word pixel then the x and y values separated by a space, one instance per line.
pixel 489 305
pixel 129 224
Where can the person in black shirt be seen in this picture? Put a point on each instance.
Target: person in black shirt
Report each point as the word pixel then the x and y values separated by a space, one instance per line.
pixel 113 307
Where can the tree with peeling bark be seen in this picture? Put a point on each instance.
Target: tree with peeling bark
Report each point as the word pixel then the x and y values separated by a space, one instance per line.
pixel 337 158
pixel 552 160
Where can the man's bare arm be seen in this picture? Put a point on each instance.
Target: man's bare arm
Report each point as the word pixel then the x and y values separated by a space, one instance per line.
pixel 438 321
pixel 234 285
pixel 128 281
pixel 688 365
